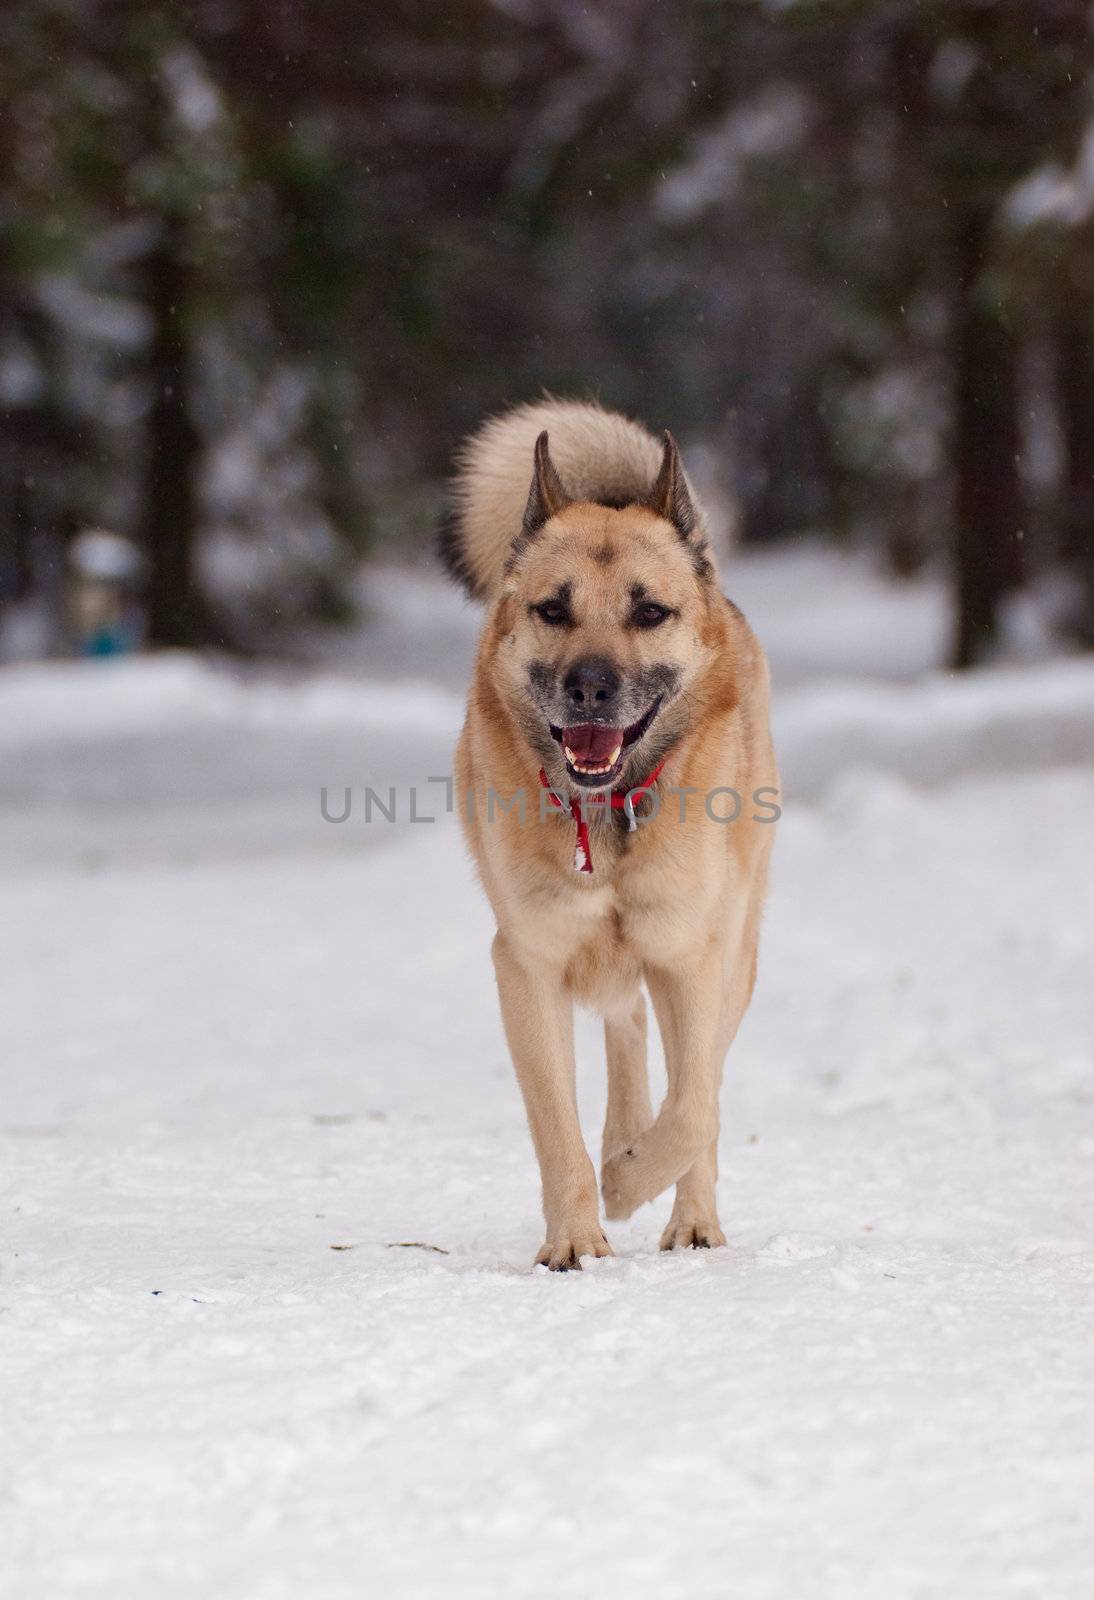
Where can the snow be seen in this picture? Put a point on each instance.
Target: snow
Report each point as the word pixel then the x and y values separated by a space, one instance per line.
pixel 61 700
pixel 268 1326
pixel 772 123
pixel 1054 196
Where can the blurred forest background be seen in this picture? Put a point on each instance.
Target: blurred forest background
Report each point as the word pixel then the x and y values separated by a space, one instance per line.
pixel 263 262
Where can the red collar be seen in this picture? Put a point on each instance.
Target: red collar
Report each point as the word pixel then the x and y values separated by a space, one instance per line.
pixel 621 800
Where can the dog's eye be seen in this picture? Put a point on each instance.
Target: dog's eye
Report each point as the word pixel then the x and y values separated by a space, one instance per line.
pixel 650 615
pixel 554 612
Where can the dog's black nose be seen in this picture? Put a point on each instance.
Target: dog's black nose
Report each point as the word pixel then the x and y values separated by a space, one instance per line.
pixel 591 684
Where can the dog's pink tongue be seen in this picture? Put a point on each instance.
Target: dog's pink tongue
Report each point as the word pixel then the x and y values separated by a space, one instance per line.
pixel 592 742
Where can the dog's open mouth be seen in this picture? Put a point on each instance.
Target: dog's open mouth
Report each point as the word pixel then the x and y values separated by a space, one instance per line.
pixel 594 752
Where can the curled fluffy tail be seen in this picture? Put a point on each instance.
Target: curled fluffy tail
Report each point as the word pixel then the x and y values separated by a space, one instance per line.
pixel 600 456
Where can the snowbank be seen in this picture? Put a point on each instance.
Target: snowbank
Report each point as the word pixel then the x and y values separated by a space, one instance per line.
pixel 82 700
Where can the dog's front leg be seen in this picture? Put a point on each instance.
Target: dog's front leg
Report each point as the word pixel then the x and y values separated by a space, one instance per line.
pixel 688 1002
pixel 539 1025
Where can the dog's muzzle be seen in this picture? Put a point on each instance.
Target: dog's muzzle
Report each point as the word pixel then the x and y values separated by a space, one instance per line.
pixel 594 751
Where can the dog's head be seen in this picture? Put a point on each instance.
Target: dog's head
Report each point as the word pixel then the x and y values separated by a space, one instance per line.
pixel 605 625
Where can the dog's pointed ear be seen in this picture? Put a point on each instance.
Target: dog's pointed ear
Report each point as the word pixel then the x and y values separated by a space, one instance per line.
pixel 669 497
pixel 546 497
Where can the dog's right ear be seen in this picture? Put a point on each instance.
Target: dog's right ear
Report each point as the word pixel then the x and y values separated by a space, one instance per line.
pixel 546 497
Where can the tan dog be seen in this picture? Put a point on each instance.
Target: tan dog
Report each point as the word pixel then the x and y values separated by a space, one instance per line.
pixel 611 664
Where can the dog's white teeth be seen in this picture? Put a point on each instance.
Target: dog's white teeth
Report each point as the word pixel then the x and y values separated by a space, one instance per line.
pixel 585 767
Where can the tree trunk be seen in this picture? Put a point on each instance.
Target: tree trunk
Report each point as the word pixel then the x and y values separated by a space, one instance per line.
pixel 987 548
pixel 1076 392
pixel 168 521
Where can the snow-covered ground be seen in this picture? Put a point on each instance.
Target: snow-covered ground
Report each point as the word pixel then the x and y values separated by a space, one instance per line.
pixel 268 1328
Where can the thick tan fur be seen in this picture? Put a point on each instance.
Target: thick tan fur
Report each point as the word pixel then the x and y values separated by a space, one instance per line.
pixel 599 455
pixel 673 907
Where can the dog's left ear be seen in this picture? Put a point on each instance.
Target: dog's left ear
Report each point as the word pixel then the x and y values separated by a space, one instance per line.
pixel 669 497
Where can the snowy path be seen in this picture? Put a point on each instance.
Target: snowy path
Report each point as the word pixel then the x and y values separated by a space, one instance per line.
pixel 252 1037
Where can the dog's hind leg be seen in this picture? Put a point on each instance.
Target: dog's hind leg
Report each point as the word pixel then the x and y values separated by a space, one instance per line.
pixel 538 1015
pixel 629 1111
pixel 688 1001
pixel 699 1006
pixel 694 1221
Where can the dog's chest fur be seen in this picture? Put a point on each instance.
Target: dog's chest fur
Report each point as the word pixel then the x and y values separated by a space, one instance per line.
pixel 639 906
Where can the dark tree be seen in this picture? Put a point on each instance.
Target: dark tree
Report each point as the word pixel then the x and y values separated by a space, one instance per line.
pixel 177 614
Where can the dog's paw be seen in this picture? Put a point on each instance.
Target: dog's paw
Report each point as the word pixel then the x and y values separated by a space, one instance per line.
pixel 618 1185
pixel 693 1234
pixel 562 1251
